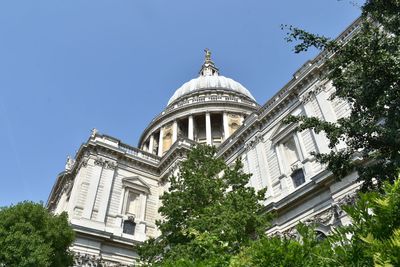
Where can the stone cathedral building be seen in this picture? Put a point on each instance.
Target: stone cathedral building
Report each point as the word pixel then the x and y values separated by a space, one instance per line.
pixel 111 190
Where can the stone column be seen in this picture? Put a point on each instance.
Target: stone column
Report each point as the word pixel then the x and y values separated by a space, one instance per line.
pixel 190 128
pixel 174 132
pixel 208 129
pixel 160 142
pixel 226 126
pixel 151 143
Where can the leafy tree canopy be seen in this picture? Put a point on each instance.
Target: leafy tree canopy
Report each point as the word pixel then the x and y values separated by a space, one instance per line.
pixel 209 213
pixel 31 236
pixel 373 238
pixel 365 72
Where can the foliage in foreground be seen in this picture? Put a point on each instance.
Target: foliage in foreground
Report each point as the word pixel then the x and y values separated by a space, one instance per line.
pixel 277 251
pixel 213 219
pixel 365 72
pixel 31 236
pixel 372 240
pixel 209 213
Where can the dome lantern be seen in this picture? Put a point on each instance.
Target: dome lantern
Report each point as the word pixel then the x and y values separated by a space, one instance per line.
pixel 210 79
pixel 208 68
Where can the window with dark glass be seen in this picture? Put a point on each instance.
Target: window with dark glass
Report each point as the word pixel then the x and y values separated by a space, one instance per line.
pixel 320 236
pixel 298 177
pixel 129 227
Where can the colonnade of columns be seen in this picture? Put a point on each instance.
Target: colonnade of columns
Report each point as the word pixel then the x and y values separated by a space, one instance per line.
pixel 196 131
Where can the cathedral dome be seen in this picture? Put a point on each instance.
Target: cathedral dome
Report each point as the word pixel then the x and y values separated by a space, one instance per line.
pixel 214 81
pixel 206 110
pixel 209 79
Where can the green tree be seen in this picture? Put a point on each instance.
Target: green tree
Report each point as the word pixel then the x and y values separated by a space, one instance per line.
pixel 30 236
pixel 373 238
pixel 365 71
pixel 209 213
pixel 276 251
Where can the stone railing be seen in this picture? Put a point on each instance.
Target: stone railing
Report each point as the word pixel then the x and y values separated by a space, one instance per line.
pixel 138 153
pixel 206 98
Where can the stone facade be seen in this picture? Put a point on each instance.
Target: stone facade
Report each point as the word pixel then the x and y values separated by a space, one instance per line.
pixel 111 190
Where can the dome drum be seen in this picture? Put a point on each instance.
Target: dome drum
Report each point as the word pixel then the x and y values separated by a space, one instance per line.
pixel 210 128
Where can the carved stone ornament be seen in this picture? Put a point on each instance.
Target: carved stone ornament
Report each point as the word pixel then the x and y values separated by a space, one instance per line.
pixel 296 166
pixel 69 164
pixel 253 142
pixel 83 163
pixel 288 234
pixel 94 133
pixel 87 260
pixel 259 138
pixel 349 199
pixel 328 217
pixel 306 97
pixel 322 218
pixel 311 93
pixel 99 161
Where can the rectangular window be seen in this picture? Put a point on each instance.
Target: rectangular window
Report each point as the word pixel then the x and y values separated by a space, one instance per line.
pixel 129 227
pixel 298 177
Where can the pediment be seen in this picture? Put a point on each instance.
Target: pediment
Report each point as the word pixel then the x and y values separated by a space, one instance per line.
pixel 282 130
pixel 137 183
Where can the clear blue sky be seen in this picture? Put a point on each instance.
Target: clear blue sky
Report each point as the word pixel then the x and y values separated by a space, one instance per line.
pixel 69 66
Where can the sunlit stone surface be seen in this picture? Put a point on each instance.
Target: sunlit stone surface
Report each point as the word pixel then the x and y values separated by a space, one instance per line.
pixel 111 190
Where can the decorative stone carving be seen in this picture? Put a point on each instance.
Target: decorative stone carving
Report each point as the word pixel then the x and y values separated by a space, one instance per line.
pixel 87 260
pixel 307 96
pixel 105 163
pixel 69 164
pixel 327 217
pixel 94 133
pixel 253 142
pixel 296 166
pixel 332 215
pixel 83 163
pixel 349 199
pixel 290 233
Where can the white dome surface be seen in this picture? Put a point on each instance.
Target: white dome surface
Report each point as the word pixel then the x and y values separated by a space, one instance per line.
pixel 210 82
